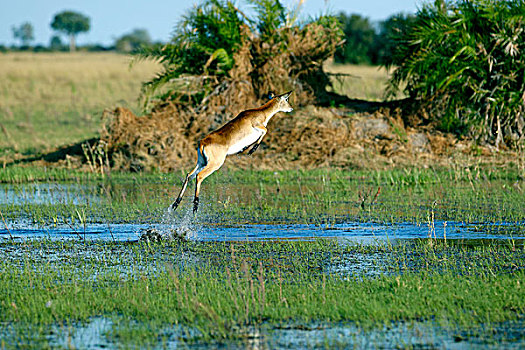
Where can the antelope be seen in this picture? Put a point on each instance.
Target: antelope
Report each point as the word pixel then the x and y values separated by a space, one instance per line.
pixel 244 131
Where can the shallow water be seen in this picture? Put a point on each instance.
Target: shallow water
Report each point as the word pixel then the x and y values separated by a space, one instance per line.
pixel 421 335
pixel 122 210
pixel 359 232
pixel 96 333
pixel 48 193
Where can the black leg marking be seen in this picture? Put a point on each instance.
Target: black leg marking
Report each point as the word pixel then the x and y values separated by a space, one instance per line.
pixel 195 205
pixel 176 203
pixel 245 148
pixel 254 148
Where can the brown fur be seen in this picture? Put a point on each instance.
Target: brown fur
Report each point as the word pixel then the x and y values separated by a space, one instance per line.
pixel 231 137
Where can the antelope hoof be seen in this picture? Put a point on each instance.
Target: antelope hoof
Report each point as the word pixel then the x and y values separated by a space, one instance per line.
pixel 195 205
pixel 175 204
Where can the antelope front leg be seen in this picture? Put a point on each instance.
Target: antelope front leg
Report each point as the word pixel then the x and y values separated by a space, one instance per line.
pixel 263 131
pixel 177 201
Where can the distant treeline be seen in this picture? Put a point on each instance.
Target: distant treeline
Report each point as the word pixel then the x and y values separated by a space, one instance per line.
pixel 49 48
pixel 367 42
pixel 128 43
pixel 69 24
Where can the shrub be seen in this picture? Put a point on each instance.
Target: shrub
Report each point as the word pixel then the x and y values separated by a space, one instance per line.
pixel 217 45
pixel 219 63
pixel 465 61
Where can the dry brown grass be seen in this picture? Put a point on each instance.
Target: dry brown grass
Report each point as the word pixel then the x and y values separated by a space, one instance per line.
pixel 51 99
pixel 166 138
pixel 308 138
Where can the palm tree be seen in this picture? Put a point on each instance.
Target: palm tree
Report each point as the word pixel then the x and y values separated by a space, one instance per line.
pixel 465 60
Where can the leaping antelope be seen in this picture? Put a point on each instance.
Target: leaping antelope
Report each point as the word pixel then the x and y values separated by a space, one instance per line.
pixel 245 130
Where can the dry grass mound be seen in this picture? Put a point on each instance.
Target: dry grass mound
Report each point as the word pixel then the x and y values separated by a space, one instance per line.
pixel 310 137
pixel 166 138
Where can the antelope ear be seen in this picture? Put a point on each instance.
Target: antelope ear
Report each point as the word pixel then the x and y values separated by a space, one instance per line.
pixel 286 95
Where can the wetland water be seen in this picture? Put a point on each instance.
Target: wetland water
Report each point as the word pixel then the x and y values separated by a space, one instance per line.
pixel 62 200
pixel 93 231
pixel 269 206
pixel 92 260
pixel 355 232
pixel 422 335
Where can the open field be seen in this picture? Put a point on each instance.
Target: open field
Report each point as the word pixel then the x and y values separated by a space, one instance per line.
pixel 358 81
pixel 48 100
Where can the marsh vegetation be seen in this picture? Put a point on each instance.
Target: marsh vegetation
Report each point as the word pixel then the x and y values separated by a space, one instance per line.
pixel 260 294
pixel 327 256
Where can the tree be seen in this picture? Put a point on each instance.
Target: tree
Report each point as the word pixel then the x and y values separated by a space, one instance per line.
pixel 56 44
pixel 24 33
pixel 359 35
pixel 71 23
pixel 389 31
pixel 133 41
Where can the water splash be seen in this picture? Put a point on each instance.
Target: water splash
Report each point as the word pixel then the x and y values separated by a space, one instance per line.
pixel 175 226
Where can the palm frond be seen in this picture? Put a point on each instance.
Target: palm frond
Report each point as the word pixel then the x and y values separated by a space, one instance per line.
pixel 464 57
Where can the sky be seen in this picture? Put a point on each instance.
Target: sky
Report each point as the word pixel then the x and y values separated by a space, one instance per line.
pixel 111 19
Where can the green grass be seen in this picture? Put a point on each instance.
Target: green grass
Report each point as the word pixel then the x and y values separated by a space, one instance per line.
pixel 226 287
pixel 153 294
pixel 323 196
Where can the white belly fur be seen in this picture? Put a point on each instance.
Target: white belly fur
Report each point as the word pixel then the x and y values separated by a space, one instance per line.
pixel 244 142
